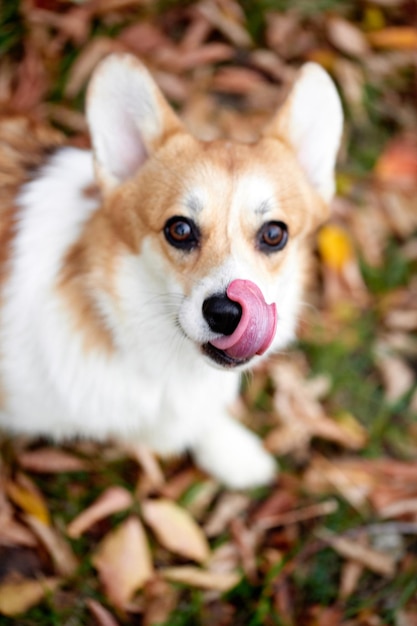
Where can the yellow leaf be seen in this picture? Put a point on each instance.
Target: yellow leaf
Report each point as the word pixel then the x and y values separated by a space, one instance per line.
pixel 18 597
pixel 29 500
pixel 373 18
pixel 123 561
pixel 353 429
pixel 176 529
pixel 335 247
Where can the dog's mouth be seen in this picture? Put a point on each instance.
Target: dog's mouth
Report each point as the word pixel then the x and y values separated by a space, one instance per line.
pixel 255 328
pixel 220 357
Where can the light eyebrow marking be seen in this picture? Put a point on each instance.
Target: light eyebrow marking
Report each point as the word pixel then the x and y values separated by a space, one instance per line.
pixel 194 203
pixel 264 207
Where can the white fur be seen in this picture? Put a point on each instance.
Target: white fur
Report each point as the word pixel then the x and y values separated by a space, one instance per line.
pixel 155 388
pixel 155 385
pixel 315 126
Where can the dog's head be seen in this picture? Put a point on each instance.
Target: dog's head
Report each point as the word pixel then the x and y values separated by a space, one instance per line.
pixel 219 227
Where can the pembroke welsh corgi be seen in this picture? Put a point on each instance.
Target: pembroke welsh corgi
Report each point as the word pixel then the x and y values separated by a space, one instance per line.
pixel 140 278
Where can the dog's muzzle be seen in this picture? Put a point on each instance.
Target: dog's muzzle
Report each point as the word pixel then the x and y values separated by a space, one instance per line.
pixel 246 322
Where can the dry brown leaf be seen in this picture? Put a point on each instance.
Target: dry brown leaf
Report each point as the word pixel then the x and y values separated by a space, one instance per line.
pixel 148 462
pixel 160 601
pixel 229 506
pixel 376 561
pixel 347 37
pixel 350 576
pixel 197 33
pixel 14 534
pixel 102 616
pixel 173 60
pixel 397 376
pixel 175 529
pixel 18 597
pixel 228 17
pixel 81 70
pixel 237 80
pixel 143 38
pixel 195 577
pixel 113 500
pixel 51 460
pixel 298 515
pixel 303 416
pixel 58 548
pixel 123 561
pixel 350 478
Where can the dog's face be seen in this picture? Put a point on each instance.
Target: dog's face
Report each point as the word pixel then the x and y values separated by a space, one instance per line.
pixel 219 227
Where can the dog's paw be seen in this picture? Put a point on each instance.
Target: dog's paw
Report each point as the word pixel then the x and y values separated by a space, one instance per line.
pixel 235 456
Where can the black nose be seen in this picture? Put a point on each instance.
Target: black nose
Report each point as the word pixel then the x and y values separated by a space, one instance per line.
pixel 222 314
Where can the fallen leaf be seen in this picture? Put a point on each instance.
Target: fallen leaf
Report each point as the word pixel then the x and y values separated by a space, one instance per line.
pixel 28 498
pixel 102 616
pixel 58 548
pixel 51 460
pixel 195 577
pixel 123 561
pixel 91 54
pixel 113 500
pixel 399 37
pixel 335 246
pixel 229 18
pixel 397 376
pixel 160 601
pixel 347 37
pixel 13 533
pixel 397 165
pixel 175 529
pixel 18 597
pixel 228 507
pixel 376 561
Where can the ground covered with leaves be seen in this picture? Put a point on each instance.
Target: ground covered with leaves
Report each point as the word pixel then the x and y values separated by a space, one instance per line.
pixel 108 535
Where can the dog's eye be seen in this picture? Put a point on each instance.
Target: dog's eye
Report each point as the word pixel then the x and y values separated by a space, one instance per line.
pixel 272 236
pixel 181 233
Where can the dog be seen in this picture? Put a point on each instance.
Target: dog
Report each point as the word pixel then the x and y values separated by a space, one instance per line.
pixel 139 279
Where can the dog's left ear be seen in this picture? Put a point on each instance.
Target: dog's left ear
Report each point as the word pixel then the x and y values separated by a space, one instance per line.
pixel 128 117
pixel 311 122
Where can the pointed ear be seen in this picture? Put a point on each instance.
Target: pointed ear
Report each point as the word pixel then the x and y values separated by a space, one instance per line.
pixel 311 122
pixel 128 118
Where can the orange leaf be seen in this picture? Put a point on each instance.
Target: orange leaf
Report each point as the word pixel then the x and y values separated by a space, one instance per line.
pixel 399 37
pixel 176 529
pixel 397 165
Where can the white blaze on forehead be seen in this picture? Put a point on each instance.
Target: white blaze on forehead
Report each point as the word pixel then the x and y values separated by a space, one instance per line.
pixel 253 194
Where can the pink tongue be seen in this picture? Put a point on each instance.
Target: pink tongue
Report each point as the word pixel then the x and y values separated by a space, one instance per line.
pixel 257 325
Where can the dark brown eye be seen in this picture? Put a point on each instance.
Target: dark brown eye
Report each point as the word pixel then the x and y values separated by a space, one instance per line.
pixel 182 233
pixel 272 236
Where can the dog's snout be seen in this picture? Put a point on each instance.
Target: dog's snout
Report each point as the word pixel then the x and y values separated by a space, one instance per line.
pixel 222 314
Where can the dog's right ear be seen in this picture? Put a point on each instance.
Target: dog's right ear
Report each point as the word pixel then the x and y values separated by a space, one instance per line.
pixel 128 117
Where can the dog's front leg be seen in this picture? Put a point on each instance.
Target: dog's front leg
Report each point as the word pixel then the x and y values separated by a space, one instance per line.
pixel 234 455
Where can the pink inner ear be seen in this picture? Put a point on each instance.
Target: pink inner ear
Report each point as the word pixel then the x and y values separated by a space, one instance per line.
pixel 257 326
pixel 125 150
